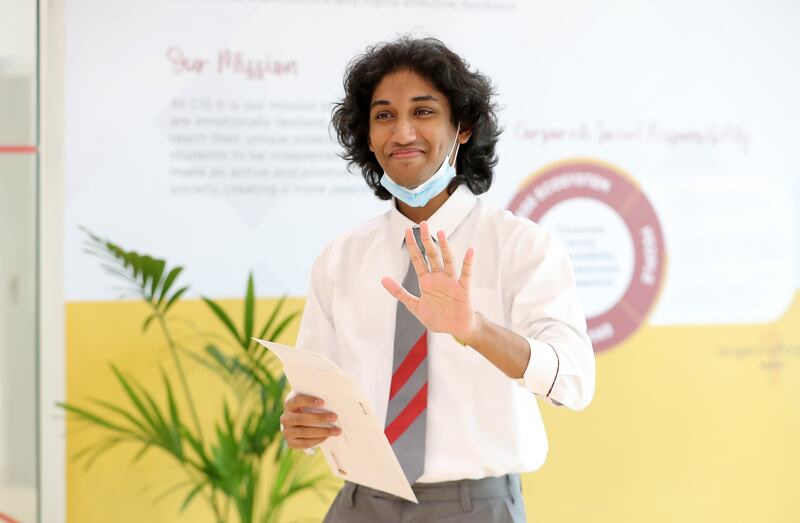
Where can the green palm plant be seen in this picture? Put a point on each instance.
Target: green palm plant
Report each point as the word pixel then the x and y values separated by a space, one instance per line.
pixel 244 463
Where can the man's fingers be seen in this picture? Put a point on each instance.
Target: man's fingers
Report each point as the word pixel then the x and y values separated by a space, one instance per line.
pixel 430 248
pixel 466 269
pixel 402 295
pixel 303 400
pixel 447 255
pixel 311 432
pixel 416 255
pixel 308 419
pixel 306 443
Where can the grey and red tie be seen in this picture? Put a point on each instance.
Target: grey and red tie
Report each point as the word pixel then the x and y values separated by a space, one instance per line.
pixel 408 394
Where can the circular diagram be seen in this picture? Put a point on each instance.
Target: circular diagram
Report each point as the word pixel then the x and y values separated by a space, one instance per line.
pixel 613 237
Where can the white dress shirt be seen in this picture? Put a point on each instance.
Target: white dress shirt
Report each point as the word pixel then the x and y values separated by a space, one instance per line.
pixel 480 422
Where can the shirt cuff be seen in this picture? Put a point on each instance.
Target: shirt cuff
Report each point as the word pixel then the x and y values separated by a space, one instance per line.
pixel 542 371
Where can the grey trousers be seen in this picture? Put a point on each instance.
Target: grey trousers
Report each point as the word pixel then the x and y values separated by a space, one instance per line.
pixel 469 501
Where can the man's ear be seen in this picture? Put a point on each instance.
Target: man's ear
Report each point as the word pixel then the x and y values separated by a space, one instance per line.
pixel 464 135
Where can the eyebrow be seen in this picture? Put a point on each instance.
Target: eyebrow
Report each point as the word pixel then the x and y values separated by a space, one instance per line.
pixel 423 98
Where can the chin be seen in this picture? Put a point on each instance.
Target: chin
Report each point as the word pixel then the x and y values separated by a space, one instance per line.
pixel 407 181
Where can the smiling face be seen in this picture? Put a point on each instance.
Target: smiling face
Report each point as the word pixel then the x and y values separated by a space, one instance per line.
pixel 410 130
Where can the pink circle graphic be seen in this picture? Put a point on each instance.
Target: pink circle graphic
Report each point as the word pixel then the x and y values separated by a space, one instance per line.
pixel 585 178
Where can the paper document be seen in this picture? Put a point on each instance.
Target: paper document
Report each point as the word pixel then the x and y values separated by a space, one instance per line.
pixel 361 454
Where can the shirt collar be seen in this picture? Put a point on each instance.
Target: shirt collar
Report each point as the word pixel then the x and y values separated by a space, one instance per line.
pixel 446 218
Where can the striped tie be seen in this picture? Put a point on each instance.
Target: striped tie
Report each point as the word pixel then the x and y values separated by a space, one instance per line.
pixel 408 395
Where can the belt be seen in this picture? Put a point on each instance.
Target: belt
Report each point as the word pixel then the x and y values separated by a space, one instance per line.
pixel 464 490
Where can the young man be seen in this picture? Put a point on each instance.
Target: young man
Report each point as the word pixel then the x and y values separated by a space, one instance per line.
pixel 452 315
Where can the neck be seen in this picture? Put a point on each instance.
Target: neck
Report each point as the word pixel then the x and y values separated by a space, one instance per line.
pixel 418 214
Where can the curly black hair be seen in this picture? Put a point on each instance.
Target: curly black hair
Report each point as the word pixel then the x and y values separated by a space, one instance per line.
pixel 468 93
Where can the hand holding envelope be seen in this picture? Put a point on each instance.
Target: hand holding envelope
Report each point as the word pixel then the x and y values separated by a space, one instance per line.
pixel 305 423
pixel 361 453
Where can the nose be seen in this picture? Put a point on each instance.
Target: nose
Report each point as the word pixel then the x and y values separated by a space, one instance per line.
pixel 403 131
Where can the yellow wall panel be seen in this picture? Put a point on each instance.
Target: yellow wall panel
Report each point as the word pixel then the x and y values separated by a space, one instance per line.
pixel 688 424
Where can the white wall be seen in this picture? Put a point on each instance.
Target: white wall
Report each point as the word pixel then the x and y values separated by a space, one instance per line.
pixel 18 375
pixel 17 285
pixel 51 294
pixel 17 36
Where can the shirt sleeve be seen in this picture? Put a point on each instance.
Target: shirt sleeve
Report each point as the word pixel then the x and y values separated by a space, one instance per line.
pixel 317 332
pixel 545 310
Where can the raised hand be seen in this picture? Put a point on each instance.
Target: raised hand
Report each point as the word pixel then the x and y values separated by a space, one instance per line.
pixel 444 304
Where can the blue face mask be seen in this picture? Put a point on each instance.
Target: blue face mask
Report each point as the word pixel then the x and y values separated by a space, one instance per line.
pixel 422 194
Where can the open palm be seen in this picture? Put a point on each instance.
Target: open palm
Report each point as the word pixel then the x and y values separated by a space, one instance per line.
pixel 444 304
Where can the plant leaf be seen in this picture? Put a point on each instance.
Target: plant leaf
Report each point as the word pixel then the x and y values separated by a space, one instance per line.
pixel 196 490
pixel 173 274
pixel 139 455
pixel 101 449
pixel 272 317
pixel 282 326
pixel 95 418
pixel 171 489
pixel 122 412
pixel 148 321
pixel 174 298
pixel 160 424
pixel 156 272
pixel 249 312
pixel 175 427
pixel 133 397
pixel 222 317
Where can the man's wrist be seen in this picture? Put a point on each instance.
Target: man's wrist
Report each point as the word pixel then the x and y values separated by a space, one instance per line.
pixel 471 338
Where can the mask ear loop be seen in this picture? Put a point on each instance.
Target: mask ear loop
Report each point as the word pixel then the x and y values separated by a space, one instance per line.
pixel 456 144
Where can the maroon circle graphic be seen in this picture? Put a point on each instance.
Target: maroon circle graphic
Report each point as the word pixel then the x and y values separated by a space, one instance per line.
pixel 607 184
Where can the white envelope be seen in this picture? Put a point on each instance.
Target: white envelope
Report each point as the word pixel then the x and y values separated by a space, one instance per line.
pixel 361 454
